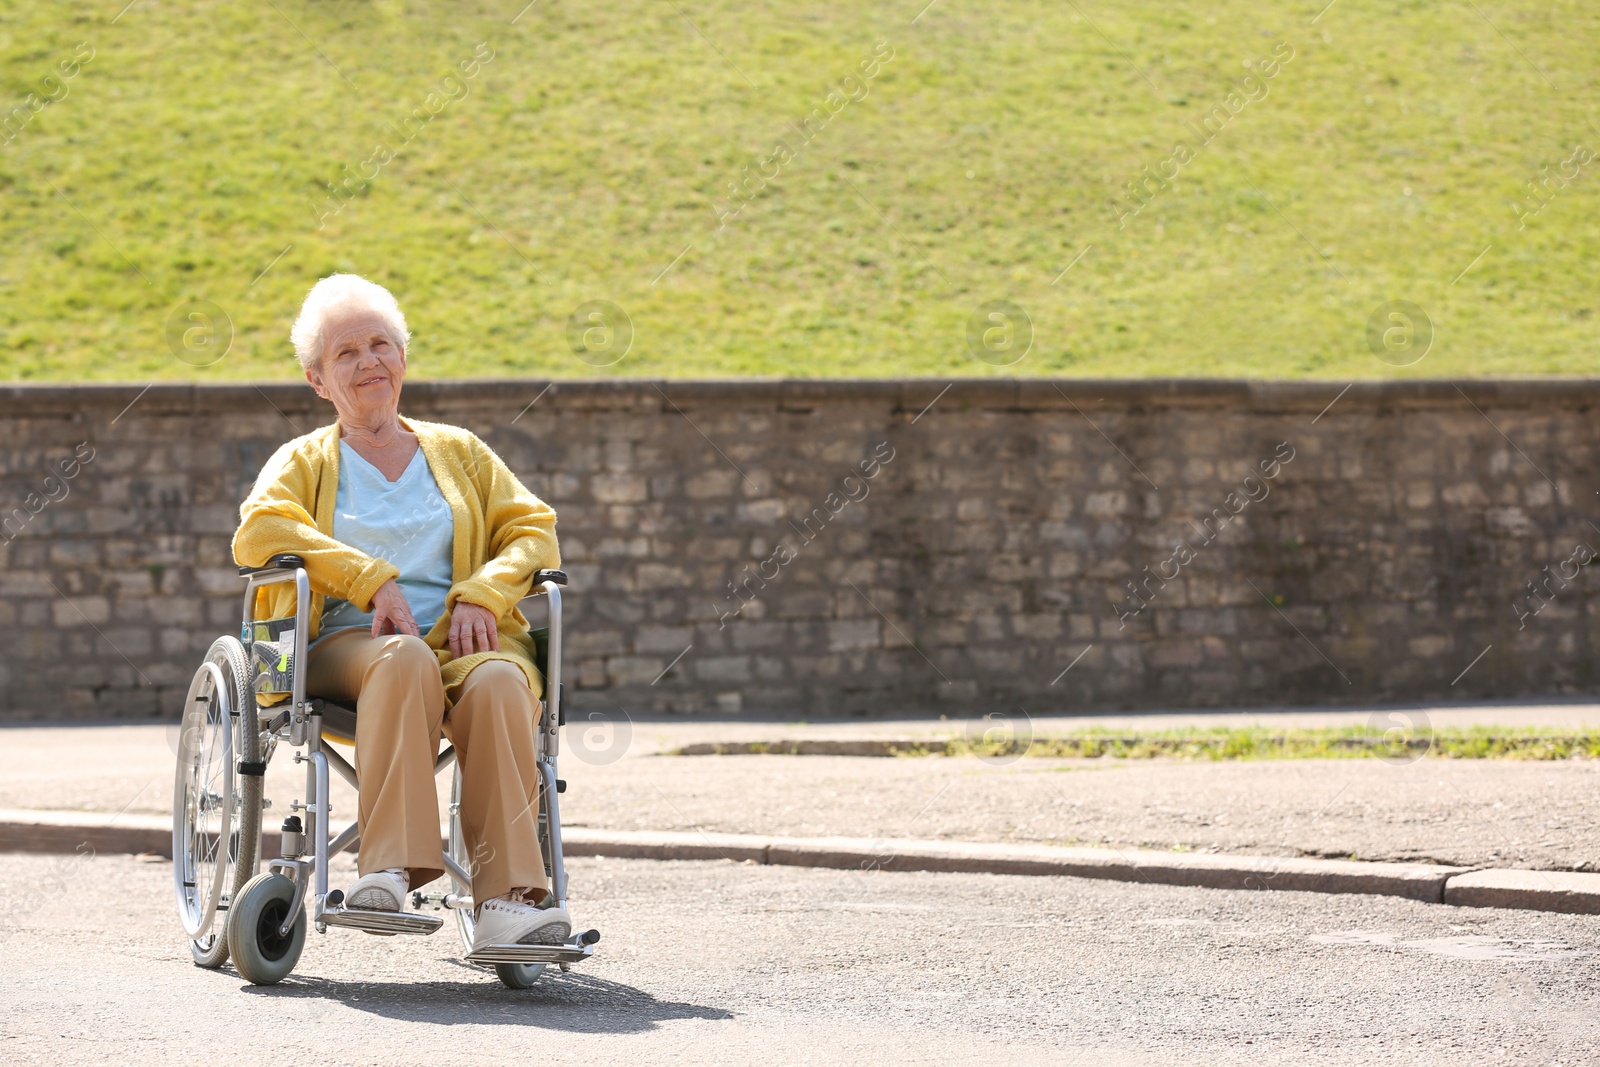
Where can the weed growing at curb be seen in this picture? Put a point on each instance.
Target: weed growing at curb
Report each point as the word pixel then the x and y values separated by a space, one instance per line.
pixel 1215 744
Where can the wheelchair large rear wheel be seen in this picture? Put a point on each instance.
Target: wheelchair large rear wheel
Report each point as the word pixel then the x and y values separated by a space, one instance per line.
pixel 512 975
pixel 216 812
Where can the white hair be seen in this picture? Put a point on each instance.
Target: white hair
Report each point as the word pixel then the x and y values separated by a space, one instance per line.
pixel 341 293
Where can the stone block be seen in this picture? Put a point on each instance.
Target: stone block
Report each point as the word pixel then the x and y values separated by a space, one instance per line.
pixel 212 581
pixel 804 604
pixel 723 669
pixel 988 628
pixel 668 639
pixel 21 583
pixel 1464 495
pixel 596 640
pixel 847 634
pixel 80 611
pixel 104 520
pixel 756 634
pixel 639 670
pixel 711 484
pixel 1208 621
pixel 1427 647
pixel 1065 565
pixel 618 454
pixel 1105 505
pixel 590 673
pixel 1176 654
pixel 761 511
pixel 1034 628
pixel 622 548
pixel 656 576
pixel 164 610
pixel 74 552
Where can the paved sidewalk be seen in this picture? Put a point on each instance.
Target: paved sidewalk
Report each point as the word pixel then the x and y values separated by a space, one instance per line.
pixel 1471 813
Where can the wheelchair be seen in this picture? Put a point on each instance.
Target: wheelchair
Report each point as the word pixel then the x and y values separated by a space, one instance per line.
pixel 226 904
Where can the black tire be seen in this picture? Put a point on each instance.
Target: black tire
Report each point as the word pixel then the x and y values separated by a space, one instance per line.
pixel 514 975
pixel 240 853
pixel 246 846
pixel 519 975
pixel 263 955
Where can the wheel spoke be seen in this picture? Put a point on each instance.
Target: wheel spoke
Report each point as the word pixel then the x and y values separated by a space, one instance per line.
pixel 214 837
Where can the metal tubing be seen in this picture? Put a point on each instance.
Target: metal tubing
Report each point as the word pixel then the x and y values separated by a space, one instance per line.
pixel 317 815
pixel 558 868
pixel 552 681
pixel 302 614
pixel 343 839
pixel 299 897
pixel 302 588
pixel 316 808
pixel 458 872
pixel 552 747
pixel 338 762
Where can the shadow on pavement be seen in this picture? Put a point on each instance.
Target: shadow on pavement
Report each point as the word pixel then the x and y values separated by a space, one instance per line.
pixel 568 1002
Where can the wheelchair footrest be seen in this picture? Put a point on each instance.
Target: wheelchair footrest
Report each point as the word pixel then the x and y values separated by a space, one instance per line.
pixel 382 922
pixel 571 952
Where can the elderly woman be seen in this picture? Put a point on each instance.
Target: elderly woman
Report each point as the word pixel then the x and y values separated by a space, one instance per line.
pixel 418 543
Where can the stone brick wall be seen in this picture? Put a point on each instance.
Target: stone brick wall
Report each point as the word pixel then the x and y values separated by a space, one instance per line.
pixel 974 555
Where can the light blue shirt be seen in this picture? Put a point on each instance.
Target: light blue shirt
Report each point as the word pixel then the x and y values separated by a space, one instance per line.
pixel 406 522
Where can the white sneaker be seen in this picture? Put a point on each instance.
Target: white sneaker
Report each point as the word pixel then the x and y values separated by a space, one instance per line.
pixel 380 891
pixel 515 922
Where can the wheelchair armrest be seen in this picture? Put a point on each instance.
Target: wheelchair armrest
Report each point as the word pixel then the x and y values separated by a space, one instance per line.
pixel 280 561
pixel 540 577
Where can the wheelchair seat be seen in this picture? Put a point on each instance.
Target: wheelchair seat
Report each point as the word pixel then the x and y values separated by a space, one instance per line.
pixel 339 718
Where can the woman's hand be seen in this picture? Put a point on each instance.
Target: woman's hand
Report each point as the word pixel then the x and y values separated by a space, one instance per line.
pixel 391 613
pixel 472 629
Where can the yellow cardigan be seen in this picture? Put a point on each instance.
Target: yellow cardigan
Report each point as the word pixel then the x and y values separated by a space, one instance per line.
pixel 503 534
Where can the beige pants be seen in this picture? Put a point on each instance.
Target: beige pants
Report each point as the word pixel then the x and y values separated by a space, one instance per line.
pixel 491 724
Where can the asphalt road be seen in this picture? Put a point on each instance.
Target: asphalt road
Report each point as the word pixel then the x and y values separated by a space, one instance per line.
pixel 725 963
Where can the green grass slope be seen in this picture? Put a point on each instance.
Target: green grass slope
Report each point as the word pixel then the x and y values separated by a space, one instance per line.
pixel 590 154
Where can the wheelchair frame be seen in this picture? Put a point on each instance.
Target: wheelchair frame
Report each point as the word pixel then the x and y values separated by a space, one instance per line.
pixel 304 723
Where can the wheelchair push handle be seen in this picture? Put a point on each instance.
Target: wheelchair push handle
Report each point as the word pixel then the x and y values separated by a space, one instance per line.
pixel 282 561
pixel 288 560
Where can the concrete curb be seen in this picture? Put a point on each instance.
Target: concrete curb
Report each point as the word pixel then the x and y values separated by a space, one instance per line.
pixel 94 832
pixel 1559 891
pixel 1415 881
pixel 83 831
pixel 1564 891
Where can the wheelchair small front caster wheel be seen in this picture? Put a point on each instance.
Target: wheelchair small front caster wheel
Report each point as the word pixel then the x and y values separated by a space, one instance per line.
pixel 519 975
pixel 263 955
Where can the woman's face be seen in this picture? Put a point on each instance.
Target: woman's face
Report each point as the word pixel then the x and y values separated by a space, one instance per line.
pixel 362 367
